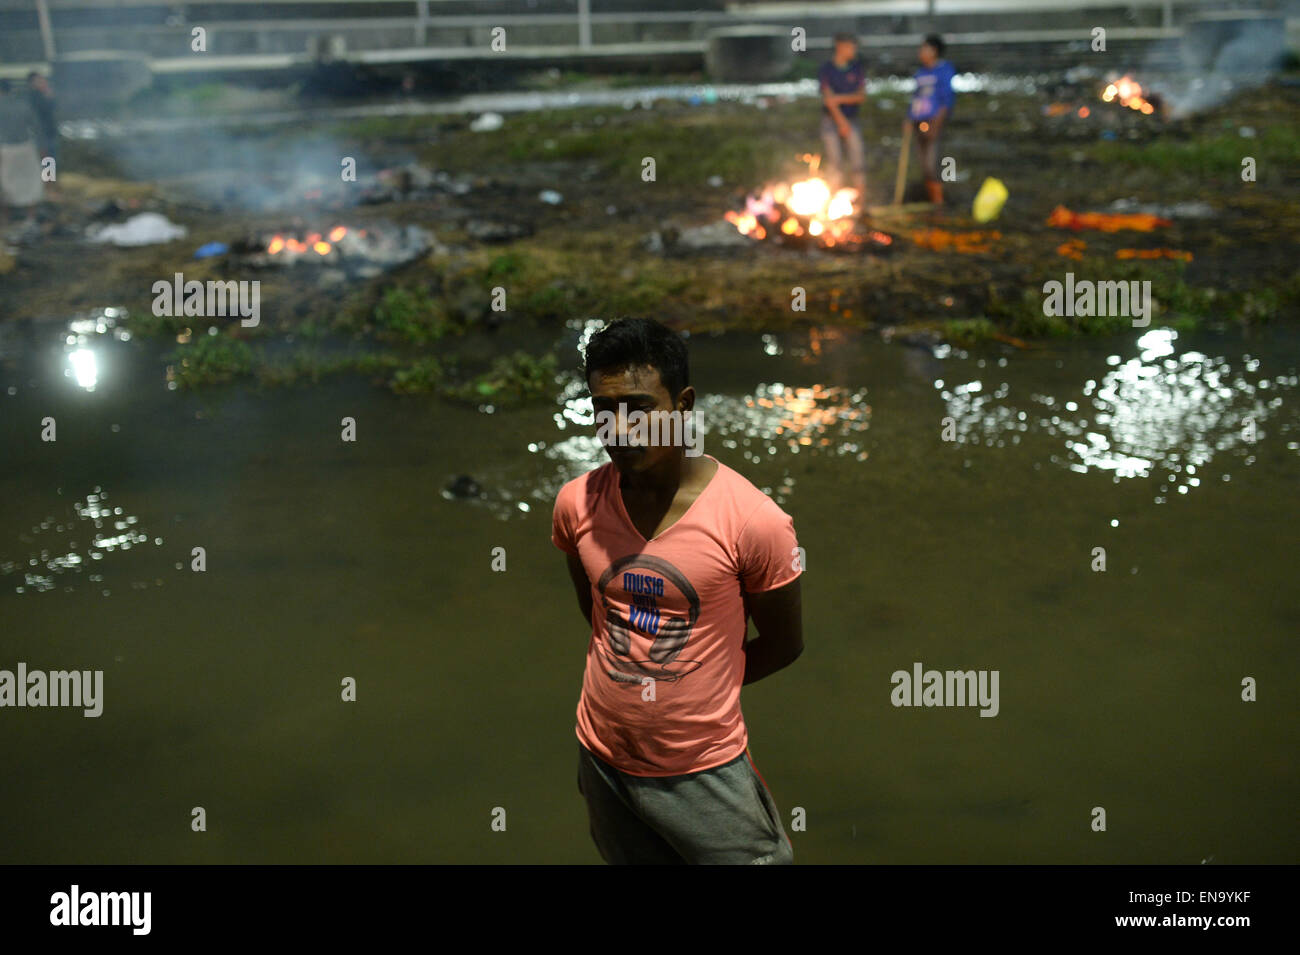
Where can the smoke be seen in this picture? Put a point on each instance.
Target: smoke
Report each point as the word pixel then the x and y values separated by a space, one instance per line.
pixel 268 169
pixel 1227 55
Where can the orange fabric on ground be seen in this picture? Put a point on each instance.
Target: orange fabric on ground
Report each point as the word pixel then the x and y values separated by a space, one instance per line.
pixel 1063 218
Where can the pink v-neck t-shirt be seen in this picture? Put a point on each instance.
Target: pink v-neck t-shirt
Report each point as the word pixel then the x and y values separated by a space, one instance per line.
pixel 666 659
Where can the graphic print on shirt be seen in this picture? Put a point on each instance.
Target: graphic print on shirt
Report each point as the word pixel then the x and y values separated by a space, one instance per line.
pixel 923 99
pixel 646 584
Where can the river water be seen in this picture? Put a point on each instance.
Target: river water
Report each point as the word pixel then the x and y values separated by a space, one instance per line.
pixel 966 543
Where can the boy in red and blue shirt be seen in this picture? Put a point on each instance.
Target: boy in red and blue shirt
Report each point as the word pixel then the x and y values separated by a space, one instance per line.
pixel 930 107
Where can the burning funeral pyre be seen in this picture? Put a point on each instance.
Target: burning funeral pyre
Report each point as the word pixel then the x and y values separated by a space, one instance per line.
pixel 363 252
pixel 808 212
pixel 1128 92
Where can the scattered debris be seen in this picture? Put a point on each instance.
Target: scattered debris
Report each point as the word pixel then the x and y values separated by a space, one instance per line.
pixel 716 236
pixel 209 249
pixel 487 123
pixel 492 230
pixel 550 197
pixel 1189 209
pixel 989 200
pixel 462 487
pixel 147 228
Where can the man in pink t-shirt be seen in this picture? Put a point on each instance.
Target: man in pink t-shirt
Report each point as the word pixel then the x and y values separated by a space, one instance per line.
pixel 671 553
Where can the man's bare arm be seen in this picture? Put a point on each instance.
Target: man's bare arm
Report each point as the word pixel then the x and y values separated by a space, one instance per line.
pixel 829 99
pixel 778 615
pixel 581 584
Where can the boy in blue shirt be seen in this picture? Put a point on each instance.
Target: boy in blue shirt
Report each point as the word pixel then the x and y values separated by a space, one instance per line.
pixel 931 105
pixel 842 79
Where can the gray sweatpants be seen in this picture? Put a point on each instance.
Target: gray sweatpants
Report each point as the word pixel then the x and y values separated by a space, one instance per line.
pixel 721 816
pixel 841 171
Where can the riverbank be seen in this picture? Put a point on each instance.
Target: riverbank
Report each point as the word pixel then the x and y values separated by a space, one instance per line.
pixel 553 209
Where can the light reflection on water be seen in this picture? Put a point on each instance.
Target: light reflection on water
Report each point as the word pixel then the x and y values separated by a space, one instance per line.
pixel 771 420
pixel 84 359
pixel 56 557
pixel 1159 413
pixel 1162 414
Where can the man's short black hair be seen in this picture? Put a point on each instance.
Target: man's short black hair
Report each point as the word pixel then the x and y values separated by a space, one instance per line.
pixel 640 341
pixel 846 38
pixel 33 75
pixel 935 42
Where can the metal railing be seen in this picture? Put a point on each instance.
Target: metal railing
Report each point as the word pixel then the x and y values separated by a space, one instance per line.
pixel 427 16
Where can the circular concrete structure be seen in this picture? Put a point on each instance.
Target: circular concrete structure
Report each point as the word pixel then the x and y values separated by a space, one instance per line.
pixel 748 54
pixel 101 76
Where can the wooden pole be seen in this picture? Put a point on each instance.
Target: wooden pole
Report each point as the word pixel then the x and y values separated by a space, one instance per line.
pixel 903 155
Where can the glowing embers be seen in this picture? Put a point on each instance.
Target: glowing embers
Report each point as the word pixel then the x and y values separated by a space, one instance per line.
pixel 322 245
pixel 808 211
pixel 1127 92
pixel 365 250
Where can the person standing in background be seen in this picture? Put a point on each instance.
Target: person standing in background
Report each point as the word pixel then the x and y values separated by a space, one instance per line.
pixel 930 108
pixel 20 166
pixel 41 99
pixel 842 79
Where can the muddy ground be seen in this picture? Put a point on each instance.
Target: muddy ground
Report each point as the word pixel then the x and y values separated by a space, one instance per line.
pixel 430 326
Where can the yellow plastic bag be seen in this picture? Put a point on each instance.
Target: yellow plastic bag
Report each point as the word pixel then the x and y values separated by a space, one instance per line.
pixel 989 200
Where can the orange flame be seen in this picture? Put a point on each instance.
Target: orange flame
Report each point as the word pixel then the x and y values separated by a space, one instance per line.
pixel 807 206
pixel 313 242
pixel 1128 92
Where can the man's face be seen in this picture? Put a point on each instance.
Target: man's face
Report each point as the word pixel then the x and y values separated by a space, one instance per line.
pixel 845 52
pixel 619 392
pixel 927 55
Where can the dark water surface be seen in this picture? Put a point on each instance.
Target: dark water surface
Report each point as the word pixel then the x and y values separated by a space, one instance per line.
pixel 328 560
